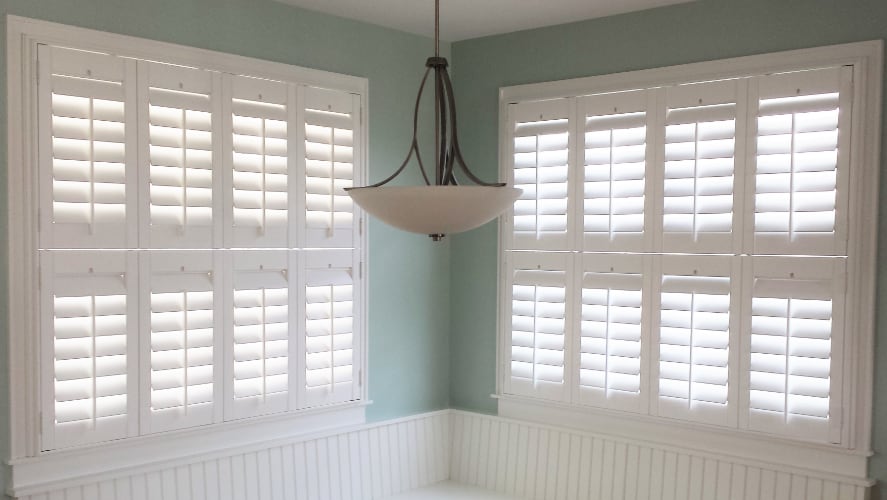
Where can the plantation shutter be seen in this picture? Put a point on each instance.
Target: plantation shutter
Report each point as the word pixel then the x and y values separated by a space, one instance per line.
pixel 87 149
pixel 539 325
pixel 179 389
pixel 615 171
pixel 540 160
pixel 332 121
pixel 795 347
pixel 700 147
pixel 260 183
pixel 611 331
pixel 179 138
pixel 331 354
pixel 696 300
pixel 801 178
pixel 89 303
pixel 259 333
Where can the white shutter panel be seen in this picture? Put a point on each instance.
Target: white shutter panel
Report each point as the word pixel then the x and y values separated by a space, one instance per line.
pixel 611 325
pixel 178 103
pixel 331 353
pixel 89 367
pixel 698 186
pixel 87 149
pixel 332 123
pixel 259 182
pixel 538 313
pixel 258 336
pixel 615 171
pixel 694 328
pixel 540 137
pixel 180 370
pixel 794 360
pixel 801 177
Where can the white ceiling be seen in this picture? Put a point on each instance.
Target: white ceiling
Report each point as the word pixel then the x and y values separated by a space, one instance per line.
pixel 464 19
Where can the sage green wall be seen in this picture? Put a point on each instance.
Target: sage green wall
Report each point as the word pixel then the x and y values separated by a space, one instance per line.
pixel 409 277
pixel 686 33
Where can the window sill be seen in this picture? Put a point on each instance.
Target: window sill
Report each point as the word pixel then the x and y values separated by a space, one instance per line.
pixel 744 446
pixel 60 467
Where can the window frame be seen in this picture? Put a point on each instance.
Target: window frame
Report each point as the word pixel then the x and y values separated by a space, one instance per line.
pixel 849 457
pixel 30 465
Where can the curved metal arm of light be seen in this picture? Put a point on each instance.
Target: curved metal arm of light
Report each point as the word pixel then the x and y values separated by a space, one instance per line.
pixel 442 206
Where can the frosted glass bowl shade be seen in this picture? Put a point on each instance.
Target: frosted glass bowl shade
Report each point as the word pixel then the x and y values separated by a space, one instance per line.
pixel 435 210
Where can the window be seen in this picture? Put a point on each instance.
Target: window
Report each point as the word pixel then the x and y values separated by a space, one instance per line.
pixel 199 260
pixel 682 250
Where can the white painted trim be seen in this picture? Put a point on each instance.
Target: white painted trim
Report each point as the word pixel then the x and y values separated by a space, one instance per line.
pixel 372 460
pixel 533 460
pixel 64 466
pixel 777 62
pixel 513 457
pixel 140 48
pixel 695 437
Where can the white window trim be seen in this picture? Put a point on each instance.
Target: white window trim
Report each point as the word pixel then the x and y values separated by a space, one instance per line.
pixel 29 464
pixel 850 458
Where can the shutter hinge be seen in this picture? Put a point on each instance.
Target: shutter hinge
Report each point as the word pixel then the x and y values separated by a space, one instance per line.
pixel 39 278
pixel 360 270
pixel 360 226
pixel 360 378
pixel 39 220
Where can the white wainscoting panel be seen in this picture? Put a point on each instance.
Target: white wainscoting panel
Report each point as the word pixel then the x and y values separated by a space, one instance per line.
pixel 374 461
pixel 534 461
pixel 514 458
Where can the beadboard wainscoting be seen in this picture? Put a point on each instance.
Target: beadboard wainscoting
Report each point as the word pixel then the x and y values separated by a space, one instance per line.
pixel 373 461
pixel 528 460
pixel 514 458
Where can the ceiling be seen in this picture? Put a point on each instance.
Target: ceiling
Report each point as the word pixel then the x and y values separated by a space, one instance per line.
pixel 464 19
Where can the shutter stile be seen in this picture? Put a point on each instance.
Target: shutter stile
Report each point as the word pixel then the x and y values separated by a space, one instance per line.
pixel 694 329
pixel 180 145
pixel 615 171
pixel 539 325
pixel 802 128
pixel 260 181
pixel 540 161
pixel 611 332
pixel 87 107
pixel 330 349
pixel 793 373
pixel 331 122
pixel 700 147
pixel 88 306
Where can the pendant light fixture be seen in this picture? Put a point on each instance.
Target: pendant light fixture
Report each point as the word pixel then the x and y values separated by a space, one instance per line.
pixel 441 206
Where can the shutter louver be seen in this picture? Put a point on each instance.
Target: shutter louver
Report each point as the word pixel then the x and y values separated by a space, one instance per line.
pixel 615 171
pixel 259 382
pixel 331 122
pixel 795 314
pixel 541 136
pixel 87 310
pixel 183 325
pixel 694 338
pixel 179 155
pixel 539 326
pixel 700 131
pixel 260 167
pixel 611 325
pixel 87 147
pixel 330 370
pixel 802 133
